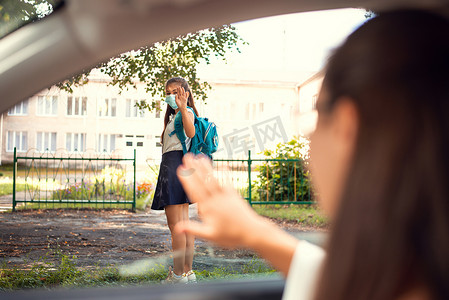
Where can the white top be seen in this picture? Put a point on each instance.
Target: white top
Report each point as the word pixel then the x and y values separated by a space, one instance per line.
pixel 172 143
pixel 304 272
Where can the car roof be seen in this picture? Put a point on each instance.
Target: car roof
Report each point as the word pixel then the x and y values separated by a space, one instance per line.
pixel 82 33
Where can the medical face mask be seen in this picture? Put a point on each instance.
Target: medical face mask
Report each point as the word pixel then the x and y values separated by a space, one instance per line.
pixel 170 100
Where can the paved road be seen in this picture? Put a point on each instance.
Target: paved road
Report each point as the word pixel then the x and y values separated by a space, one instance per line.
pixel 101 238
pixel 6 201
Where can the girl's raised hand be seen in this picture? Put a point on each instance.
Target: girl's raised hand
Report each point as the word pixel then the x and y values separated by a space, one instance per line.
pixel 227 219
pixel 181 97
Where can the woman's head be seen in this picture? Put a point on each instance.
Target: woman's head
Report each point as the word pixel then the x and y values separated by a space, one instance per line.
pixel 384 106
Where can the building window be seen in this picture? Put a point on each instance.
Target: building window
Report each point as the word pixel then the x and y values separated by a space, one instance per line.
pixel 139 137
pixel 47 105
pixel 222 111
pixel 158 139
pixel 18 139
pixel 75 142
pixel 76 106
pixel 107 108
pixel 106 142
pixel 20 109
pixel 158 109
pixel 132 111
pixel 46 141
pixel 232 112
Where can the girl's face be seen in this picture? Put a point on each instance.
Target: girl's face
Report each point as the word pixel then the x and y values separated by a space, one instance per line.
pixel 171 88
pixel 331 149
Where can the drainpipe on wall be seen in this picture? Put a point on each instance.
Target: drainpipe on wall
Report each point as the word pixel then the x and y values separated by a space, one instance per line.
pixel 1 138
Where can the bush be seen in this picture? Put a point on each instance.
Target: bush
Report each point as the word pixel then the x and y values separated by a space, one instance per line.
pixel 111 185
pixel 285 180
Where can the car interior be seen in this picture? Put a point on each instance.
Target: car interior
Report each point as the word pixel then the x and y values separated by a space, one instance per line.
pixel 80 34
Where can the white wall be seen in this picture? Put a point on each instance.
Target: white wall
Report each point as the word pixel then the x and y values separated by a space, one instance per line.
pixel 237 108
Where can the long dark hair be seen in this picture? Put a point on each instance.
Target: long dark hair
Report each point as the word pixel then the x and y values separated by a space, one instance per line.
pixel 391 232
pixel 190 102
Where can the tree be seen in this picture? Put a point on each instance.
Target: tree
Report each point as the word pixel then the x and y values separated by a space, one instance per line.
pixel 281 180
pixel 369 14
pixel 15 13
pixel 178 56
pixel 153 65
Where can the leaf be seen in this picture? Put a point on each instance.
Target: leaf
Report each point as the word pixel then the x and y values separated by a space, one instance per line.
pixel 179 56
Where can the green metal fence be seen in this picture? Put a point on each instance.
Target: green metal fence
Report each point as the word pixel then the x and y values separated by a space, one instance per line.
pixel 63 179
pixel 266 181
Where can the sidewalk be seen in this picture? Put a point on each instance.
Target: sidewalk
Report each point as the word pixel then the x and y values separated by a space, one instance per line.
pixel 108 237
pixel 6 201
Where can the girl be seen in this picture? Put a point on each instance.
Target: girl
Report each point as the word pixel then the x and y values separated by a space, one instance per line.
pixel 379 159
pixel 169 194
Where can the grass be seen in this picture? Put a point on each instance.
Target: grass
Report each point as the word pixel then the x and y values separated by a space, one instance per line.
pixel 104 193
pixel 141 204
pixel 6 170
pixel 6 188
pixel 306 215
pixel 65 273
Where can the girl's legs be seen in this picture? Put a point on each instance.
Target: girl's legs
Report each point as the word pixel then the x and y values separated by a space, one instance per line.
pixel 175 214
pixel 190 240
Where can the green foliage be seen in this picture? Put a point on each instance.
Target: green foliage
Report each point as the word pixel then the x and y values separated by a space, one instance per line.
pixel 307 215
pixel 369 14
pixel 41 274
pixel 176 57
pixel 15 13
pixel 6 188
pixel 153 65
pixel 109 185
pixel 258 266
pixel 285 180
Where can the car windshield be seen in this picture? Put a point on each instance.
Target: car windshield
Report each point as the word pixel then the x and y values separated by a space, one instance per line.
pixel 88 150
pixel 16 13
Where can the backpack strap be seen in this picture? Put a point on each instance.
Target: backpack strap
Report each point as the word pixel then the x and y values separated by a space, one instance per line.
pixel 193 112
pixel 179 130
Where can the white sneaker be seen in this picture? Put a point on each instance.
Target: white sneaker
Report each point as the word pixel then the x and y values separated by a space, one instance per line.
pixel 173 278
pixel 191 277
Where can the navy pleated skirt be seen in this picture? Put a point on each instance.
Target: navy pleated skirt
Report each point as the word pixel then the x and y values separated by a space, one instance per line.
pixel 169 190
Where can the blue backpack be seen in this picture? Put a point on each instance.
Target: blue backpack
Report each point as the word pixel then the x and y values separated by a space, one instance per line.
pixel 205 140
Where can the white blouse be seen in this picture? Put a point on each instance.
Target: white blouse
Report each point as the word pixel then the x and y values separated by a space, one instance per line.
pixel 304 272
pixel 172 143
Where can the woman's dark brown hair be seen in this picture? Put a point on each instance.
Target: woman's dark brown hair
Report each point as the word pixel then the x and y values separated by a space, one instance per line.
pixel 190 102
pixel 391 233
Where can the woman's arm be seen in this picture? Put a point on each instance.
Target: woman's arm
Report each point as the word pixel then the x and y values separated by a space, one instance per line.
pixel 187 117
pixel 228 220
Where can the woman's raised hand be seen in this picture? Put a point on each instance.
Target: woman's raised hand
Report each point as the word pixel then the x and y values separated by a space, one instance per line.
pixel 227 219
pixel 181 97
